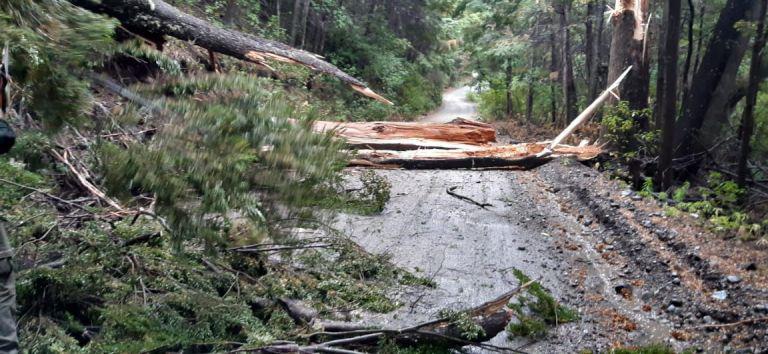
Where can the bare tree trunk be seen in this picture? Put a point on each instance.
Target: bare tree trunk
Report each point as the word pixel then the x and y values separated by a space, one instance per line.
pixel 748 121
pixel 509 88
pixel 628 48
pixel 295 21
pixel 589 47
pixel 304 20
pixel 531 93
pixel 667 95
pixel 554 74
pixel 689 55
pixel 569 86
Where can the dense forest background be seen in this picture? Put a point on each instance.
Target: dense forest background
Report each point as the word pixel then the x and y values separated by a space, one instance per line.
pixel 139 168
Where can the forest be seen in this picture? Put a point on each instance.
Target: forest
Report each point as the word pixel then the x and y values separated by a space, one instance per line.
pixel 383 176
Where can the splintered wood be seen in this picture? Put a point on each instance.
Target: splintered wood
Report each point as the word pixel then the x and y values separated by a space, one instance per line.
pixel 459 144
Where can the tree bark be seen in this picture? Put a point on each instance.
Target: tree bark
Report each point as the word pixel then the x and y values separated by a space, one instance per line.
pixel 628 49
pixel 554 74
pixel 708 77
pixel 667 95
pixel 520 156
pixel 159 18
pixel 460 131
pixel 568 84
pixel 748 121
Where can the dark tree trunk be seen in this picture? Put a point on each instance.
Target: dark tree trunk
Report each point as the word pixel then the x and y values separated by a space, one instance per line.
pixel 554 74
pixel 509 88
pixel 720 51
pixel 667 95
pixel 568 84
pixel 589 47
pixel 748 121
pixel 689 54
pixel 160 19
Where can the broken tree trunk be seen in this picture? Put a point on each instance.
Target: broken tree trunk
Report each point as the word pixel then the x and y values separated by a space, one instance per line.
pixel 520 156
pixel 492 316
pixel 628 48
pixel 458 131
pixel 156 18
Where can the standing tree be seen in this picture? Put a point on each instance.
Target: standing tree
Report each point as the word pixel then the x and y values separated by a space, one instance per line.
pixel 748 121
pixel 562 8
pixel 667 94
pixel 628 48
pixel 723 49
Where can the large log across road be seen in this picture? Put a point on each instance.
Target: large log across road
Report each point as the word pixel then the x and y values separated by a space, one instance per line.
pixel 159 18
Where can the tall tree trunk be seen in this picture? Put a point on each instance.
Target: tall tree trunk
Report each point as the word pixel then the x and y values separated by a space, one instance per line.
pixel 667 95
pixel 689 54
pixel 722 50
pixel 509 88
pixel 589 47
pixel 554 74
pixel 748 121
pixel 304 21
pixel 295 15
pixel 531 92
pixel 569 86
pixel 700 41
pixel 628 48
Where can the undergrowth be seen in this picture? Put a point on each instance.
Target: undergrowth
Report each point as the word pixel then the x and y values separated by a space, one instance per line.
pixel 86 285
pixel 718 202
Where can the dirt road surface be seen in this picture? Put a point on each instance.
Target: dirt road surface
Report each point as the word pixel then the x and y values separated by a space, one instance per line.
pixel 633 277
pixel 455 105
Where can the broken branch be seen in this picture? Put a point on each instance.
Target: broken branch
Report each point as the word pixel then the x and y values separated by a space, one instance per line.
pixel 451 192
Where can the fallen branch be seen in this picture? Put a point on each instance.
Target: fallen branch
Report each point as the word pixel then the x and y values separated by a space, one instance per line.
pixel 451 192
pixel 87 185
pixel 492 316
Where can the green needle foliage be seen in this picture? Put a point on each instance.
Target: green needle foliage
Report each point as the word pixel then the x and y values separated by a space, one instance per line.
pixel 50 42
pixel 537 312
pixel 226 150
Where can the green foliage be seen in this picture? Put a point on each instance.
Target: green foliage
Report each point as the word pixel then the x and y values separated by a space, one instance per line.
pixel 539 311
pixel 649 349
pixel 235 150
pixel 370 199
pixel 681 192
pixel 648 189
pixel 51 43
pixel 469 329
pixel 9 193
pixel 622 129
pixel 492 104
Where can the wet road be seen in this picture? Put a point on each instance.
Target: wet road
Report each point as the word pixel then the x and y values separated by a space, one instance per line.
pixel 470 252
pixel 455 105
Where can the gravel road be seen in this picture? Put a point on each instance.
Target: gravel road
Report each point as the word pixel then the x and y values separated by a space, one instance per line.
pixel 583 236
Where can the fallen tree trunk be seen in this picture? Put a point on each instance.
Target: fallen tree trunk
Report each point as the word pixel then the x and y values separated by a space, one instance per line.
pixel 156 18
pixel 461 131
pixel 492 316
pixel 521 156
